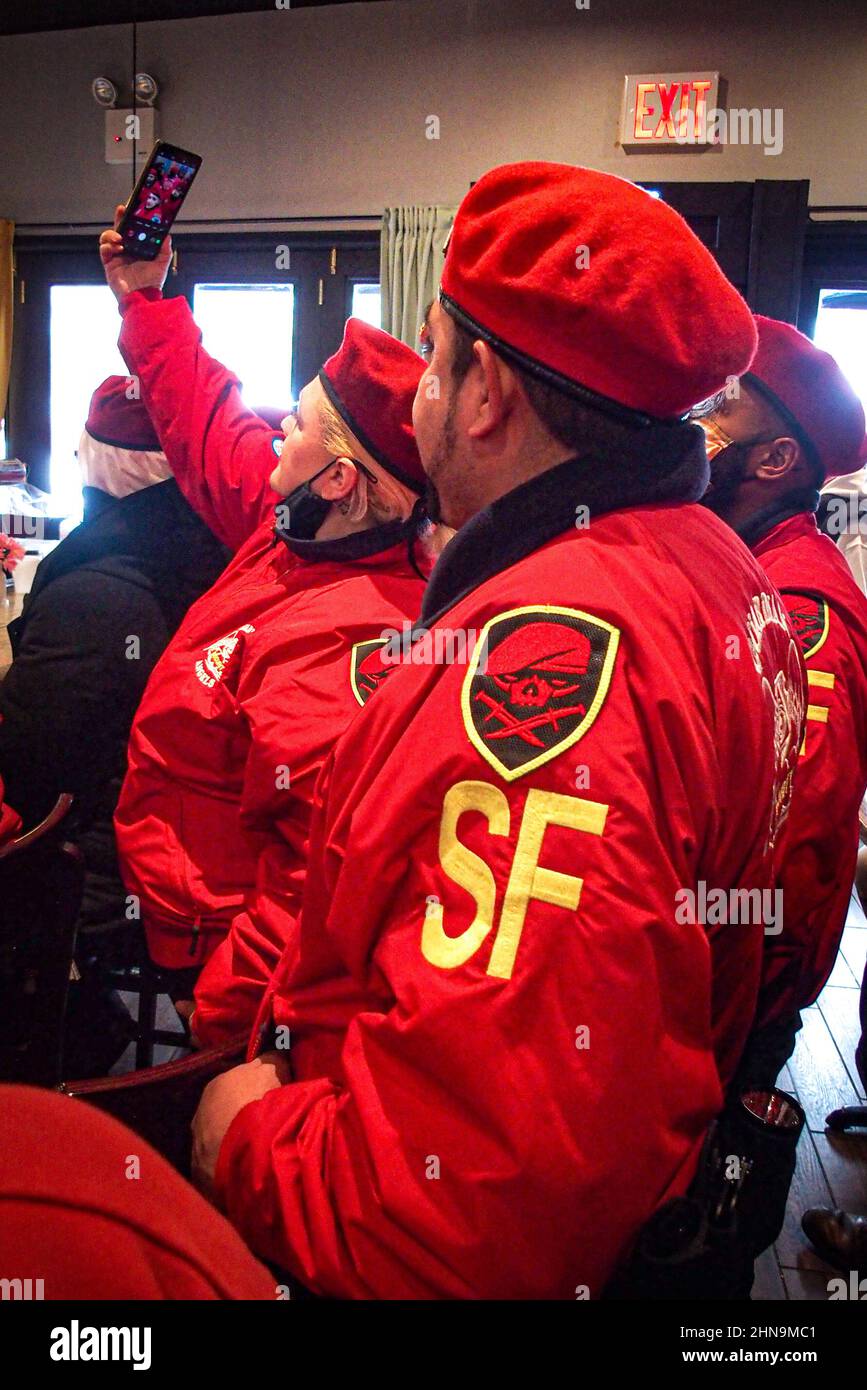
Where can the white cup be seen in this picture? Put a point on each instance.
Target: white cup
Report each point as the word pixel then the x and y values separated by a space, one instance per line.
pixel 22 575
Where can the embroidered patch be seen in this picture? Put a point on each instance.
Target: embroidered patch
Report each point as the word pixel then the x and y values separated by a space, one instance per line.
pixel 809 617
pixel 218 655
pixel 536 682
pixel 368 669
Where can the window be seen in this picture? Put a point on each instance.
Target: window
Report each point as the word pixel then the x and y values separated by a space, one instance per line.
pixel 367 303
pixel 250 329
pixel 272 324
pixel 83 346
pixel 841 329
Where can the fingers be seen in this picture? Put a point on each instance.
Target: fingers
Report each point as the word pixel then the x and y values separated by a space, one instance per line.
pixel 118 214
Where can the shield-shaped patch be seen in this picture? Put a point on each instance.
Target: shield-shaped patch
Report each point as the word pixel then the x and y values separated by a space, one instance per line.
pixel 537 680
pixel 808 614
pixel 368 668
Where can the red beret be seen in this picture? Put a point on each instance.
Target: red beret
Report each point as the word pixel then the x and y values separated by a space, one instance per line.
pixel 115 419
pixel 590 283
pixel 371 381
pixel 809 391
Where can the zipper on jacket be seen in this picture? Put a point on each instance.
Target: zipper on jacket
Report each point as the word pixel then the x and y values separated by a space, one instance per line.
pixel 194 938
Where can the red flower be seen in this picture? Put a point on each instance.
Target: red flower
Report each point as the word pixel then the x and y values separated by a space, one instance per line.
pixel 11 551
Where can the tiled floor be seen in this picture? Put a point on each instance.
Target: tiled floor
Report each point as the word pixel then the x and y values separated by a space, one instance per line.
pixel 831 1169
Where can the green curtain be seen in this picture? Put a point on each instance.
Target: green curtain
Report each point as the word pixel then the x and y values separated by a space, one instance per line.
pixel 411 262
pixel 7 232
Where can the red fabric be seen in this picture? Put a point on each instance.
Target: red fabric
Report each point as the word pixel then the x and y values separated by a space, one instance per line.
pixel 820 840
pixel 116 419
pixel 371 380
pixel 10 821
pixel 813 389
pixel 589 275
pixel 250 693
pixel 445 1134
pixel 73 1214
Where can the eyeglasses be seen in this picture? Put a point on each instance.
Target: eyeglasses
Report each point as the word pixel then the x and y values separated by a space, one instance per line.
pixel 716 439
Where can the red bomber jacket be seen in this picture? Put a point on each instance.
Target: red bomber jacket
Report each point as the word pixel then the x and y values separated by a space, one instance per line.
pixel 511 1010
pixel 819 845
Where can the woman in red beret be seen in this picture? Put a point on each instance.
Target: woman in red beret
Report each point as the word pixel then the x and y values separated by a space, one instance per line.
pixel 266 670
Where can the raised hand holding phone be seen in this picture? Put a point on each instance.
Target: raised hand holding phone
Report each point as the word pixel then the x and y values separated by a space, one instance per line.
pixel 125 273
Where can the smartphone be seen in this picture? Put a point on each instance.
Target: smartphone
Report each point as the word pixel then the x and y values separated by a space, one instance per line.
pixel 156 199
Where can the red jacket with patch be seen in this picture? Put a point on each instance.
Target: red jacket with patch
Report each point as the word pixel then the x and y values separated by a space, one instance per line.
pixel 820 842
pixel 508 1030
pixel 252 691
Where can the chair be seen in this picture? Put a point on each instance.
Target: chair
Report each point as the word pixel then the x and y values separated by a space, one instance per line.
pixel 158 1103
pixel 41 883
pixel 148 982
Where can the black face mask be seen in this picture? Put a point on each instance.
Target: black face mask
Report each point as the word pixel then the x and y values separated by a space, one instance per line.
pixel 303 511
pixel 727 472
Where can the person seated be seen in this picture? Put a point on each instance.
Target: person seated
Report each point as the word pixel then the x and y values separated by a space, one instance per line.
pixel 794 422
pixel 271 665
pixel 509 1027
pixel 103 606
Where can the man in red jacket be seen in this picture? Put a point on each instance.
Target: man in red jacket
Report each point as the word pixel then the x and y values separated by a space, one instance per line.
pixel 261 676
pixel 511 1016
pixel 795 422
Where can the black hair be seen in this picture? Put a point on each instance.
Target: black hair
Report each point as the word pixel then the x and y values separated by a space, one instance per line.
pixel 572 423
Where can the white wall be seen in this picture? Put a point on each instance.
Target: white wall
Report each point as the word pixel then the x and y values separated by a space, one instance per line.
pixel 322 111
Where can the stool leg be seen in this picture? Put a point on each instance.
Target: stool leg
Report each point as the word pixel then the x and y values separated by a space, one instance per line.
pixel 147 1018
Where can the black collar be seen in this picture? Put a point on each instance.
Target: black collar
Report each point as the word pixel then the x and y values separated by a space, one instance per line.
pixel 358 545
pixel 757 526
pixel 667 464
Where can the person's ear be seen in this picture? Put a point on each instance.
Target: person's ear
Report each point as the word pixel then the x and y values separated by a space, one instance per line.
pixel 777 460
pixel 340 479
pixel 495 385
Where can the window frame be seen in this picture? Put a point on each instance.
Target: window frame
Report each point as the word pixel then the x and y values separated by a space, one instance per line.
pixel 322 267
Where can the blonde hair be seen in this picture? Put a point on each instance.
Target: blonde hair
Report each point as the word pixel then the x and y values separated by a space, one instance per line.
pixel 386 499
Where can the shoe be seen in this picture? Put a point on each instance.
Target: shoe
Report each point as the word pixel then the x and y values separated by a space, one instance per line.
pixel 838 1237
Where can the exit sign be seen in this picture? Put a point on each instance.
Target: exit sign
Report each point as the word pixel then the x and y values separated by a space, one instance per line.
pixel 667 110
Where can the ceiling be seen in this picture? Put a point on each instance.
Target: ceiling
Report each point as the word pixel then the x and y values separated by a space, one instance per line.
pixel 36 15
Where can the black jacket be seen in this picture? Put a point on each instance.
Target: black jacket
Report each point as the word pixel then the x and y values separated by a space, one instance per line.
pixel 103 606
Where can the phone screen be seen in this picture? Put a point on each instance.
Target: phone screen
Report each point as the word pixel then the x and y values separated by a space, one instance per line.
pixel 157 200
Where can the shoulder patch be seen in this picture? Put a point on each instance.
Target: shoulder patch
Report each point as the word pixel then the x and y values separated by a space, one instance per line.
pixel 536 682
pixel 809 617
pixel 368 668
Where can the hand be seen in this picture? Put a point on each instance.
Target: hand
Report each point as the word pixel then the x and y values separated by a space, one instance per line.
pixel 125 273
pixel 223 1098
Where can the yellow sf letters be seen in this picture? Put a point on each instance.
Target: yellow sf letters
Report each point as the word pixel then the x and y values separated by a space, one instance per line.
pixel 527 879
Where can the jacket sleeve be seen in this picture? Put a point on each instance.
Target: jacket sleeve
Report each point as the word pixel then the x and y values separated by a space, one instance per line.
pixel 221 453
pixel 230 989
pixel 820 837
pixel 70 694
pixel 297 698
